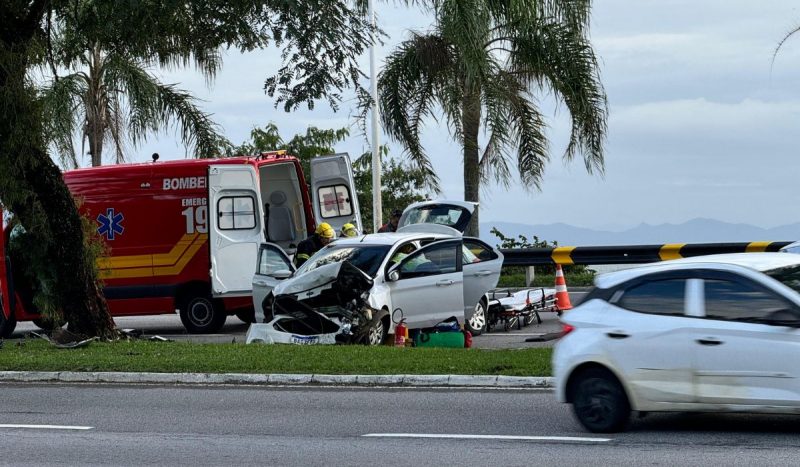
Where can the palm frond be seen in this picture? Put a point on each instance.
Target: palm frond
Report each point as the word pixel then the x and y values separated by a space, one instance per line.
pixel 154 105
pixel 61 102
pixel 508 15
pixel 409 87
pixel 524 130
pixel 467 26
pixel 494 163
pixel 116 127
pixel 560 60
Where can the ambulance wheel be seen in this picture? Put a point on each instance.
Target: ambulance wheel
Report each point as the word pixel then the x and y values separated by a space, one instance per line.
pixel 202 315
pixel 7 325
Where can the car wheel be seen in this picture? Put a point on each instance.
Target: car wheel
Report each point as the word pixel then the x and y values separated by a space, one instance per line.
pixel 477 324
pixel 599 402
pixel 201 315
pixel 376 333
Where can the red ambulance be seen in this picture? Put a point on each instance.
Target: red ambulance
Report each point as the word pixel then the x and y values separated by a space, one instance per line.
pixel 183 235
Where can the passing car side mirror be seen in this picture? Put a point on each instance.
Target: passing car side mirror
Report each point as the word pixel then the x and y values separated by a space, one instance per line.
pixel 394 275
pixel 281 274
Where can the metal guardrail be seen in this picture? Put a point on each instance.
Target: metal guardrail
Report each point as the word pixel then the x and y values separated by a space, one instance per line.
pixel 628 254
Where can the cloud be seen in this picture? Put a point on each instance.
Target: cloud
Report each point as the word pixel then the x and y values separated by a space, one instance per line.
pixel 700 124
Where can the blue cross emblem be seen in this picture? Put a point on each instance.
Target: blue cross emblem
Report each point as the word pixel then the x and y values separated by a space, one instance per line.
pixel 110 224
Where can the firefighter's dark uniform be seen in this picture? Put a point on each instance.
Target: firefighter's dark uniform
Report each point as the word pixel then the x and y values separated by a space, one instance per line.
pixel 307 248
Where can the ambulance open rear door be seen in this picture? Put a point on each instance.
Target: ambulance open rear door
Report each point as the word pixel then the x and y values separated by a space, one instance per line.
pixel 235 216
pixel 333 191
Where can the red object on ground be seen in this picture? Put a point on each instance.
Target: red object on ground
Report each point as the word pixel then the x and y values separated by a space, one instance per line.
pixel 400 332
pixel 467 339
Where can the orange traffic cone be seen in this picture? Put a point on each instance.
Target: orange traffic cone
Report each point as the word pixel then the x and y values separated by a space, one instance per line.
pixel 562 296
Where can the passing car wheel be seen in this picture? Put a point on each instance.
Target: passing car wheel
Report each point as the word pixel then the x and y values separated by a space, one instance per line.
pixel 477 324
pixel 202 315
pixel 599 402
pixel 376 333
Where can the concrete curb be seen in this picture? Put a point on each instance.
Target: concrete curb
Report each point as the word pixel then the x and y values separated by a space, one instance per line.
pixel 485 381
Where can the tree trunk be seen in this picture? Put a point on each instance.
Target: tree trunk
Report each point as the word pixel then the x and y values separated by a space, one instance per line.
pixel 471 121
pixel 32 186
pixel 95 110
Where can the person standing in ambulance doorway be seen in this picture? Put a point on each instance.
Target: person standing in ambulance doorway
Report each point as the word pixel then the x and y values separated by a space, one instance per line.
pixel 348 230
pixel 321 237
pixel 391 226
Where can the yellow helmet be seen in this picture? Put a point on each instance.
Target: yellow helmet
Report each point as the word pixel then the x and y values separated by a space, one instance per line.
pixel 325 230
pixel 349 230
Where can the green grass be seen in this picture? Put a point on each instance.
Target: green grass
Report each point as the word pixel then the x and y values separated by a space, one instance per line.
pixel 545 280
pixel 182 357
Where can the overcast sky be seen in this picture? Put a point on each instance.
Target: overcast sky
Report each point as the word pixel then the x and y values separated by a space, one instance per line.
pixel 701 124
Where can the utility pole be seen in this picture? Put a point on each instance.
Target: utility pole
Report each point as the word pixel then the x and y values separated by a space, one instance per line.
pixel 377 211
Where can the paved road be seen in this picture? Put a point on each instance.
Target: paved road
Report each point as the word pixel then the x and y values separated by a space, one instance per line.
pixel 170 326
pixel 148 425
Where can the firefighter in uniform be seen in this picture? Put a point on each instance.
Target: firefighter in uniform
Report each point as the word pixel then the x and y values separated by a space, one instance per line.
pixel 321 237
pixel 348 230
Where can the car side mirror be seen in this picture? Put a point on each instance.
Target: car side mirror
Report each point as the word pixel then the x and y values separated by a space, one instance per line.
pixel 281 274
pixel 394 275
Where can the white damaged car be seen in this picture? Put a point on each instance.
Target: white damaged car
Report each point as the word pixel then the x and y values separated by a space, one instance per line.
pixel 426 273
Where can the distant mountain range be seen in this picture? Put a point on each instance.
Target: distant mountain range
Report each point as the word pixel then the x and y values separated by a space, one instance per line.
pixel 694 231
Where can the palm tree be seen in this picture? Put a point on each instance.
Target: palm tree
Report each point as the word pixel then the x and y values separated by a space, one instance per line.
pixel 479 68
pixel 109 98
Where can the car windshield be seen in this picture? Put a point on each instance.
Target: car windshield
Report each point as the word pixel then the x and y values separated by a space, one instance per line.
pixel 368 258
pixel 789 276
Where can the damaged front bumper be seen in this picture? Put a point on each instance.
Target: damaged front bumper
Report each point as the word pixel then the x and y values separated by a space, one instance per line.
pixel 325 306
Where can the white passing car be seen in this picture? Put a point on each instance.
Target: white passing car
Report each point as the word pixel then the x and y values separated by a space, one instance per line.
pixel 426 269
pixel 717 333
pixel 791 248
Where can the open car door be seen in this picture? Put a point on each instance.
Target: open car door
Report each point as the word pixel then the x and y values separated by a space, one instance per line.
pixel 444 217
pixel 273 266
pixel 236 232
pixel 428 284
pixel 333 192
pixel 482 265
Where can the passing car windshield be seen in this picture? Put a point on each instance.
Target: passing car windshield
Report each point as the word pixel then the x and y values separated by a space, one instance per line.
pixel 368 258
pixel 789 276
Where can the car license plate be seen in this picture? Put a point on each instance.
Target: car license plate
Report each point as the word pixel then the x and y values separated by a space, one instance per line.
pixel 304 340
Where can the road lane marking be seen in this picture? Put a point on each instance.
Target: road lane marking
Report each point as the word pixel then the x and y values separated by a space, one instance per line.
pixel 573 439
pixel 47 427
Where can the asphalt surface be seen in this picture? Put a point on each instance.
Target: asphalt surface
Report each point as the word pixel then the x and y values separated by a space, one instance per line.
pixel 162 425
pixel 170 327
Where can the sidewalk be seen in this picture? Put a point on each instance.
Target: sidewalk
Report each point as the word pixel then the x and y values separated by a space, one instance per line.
pixel 453 381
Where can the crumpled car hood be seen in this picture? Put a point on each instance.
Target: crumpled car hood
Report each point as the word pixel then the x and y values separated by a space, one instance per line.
pixel 345 278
